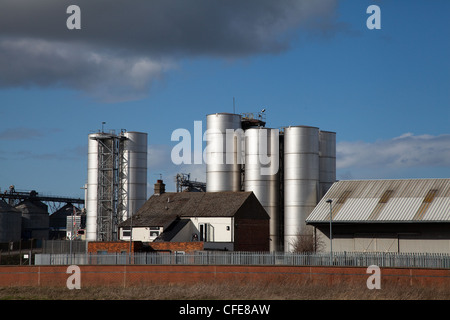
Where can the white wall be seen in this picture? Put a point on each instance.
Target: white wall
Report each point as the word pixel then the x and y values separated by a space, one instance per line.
pixel 220 229
pixel 376 244
pixel 144 234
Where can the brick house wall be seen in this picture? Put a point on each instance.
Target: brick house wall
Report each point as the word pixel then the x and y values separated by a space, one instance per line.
pixel 176 246
pixel 251 227
pixel 251 235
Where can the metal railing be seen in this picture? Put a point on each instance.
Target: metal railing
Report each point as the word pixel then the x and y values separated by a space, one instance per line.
pixel 409 260
pixel 64 246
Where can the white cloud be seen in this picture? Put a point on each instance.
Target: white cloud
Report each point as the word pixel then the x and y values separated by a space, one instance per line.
pixel 405 151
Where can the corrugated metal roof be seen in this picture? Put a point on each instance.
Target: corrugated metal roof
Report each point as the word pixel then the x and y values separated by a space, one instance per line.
pixel 402 200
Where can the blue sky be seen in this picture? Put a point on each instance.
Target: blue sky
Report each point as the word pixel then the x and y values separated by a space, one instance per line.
pixel 386 93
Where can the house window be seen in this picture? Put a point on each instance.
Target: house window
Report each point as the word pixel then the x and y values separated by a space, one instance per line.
pixel 205 234
pixel 154 234
pixel 126 232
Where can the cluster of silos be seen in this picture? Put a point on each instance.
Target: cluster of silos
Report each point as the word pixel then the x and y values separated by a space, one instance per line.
pixel 121 161
pixel 288 170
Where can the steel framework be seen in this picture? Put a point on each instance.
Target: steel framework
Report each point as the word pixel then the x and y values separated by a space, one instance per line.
pixel 13 198
pixel 110 206
pixel 185 184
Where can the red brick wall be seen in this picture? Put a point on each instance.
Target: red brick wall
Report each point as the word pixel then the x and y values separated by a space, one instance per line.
pixel 176 246
pixel 131 275
pixel 137 246
pixel 114 246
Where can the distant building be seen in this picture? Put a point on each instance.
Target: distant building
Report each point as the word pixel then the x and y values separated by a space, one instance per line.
pixel 408 215
pixel 61 222
pixel 221 220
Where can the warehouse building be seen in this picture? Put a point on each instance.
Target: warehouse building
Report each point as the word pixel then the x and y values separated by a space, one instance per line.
pixel 408 215
pixel 221 220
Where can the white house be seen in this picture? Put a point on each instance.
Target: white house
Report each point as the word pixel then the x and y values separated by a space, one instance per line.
pixel 222 220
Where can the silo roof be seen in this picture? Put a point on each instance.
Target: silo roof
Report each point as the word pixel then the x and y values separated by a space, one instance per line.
pixel 380 201
pixel 27 206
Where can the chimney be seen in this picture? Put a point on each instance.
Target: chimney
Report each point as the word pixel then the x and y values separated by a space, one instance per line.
pixel 160 187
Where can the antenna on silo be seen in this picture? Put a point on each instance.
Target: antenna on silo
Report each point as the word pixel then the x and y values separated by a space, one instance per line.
pixel 234 106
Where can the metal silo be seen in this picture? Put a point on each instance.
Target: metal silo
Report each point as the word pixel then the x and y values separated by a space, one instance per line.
pixel 35 219
pixel 134 172
pixel 262 174
pixel 327 161
pixel 92 188
pixel 224 152
pixel 10 223
pixel 301 180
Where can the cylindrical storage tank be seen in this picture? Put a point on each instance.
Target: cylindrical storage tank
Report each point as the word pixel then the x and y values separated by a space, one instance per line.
pixel 92 188
pixel 35 220
pixel 10 223
pixel 262 174
pixel 134 172
pixel 224 152
pixel 301 180
pixel 327 161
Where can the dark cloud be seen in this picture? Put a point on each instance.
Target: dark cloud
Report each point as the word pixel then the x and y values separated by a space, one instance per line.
pixel 129 44
pixel 109 77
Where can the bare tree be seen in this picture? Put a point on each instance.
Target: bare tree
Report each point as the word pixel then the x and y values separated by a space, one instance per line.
pixel 307 243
